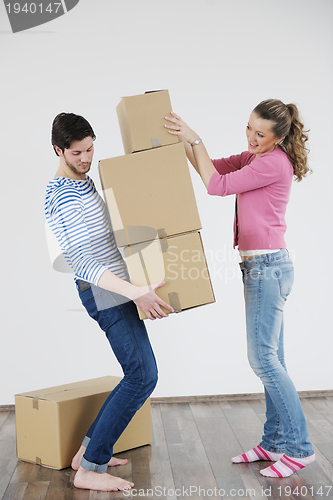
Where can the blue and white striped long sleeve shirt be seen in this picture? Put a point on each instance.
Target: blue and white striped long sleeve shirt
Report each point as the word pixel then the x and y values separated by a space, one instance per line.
pixel 78 217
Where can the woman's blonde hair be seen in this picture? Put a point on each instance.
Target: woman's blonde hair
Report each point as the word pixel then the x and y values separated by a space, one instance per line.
pixel 287 124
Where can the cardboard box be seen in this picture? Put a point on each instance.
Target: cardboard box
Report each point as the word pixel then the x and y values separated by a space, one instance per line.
pixel 149 193
pixel 141 121
pixel 180 261
pixel 51 423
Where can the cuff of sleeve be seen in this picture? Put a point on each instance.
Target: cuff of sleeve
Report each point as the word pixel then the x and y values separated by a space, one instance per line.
pixel 93 276
pixel 99 274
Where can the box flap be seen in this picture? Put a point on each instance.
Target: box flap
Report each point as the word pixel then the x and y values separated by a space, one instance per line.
pixel 74 390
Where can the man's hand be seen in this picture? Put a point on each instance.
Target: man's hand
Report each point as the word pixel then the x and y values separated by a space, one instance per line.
pixel 150 303
pixel 143 296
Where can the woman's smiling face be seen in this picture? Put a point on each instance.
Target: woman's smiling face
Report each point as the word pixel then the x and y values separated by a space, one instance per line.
pixel 259 135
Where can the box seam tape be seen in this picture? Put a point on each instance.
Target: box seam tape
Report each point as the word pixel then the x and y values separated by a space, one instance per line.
pixel 175 301
pixel 155 142
pixel 162 235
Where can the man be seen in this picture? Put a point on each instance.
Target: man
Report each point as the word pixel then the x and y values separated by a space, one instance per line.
pixel 78 217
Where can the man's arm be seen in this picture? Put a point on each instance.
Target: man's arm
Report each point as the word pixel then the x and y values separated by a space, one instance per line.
pixel 143 296
pixel 68 224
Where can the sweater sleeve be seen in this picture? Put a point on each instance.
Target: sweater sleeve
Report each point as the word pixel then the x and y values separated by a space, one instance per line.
pixel 231 164
pixel 69 227
pixel 263 171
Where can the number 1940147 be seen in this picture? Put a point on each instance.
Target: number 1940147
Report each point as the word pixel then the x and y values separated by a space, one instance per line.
pixel 302 491
pixel 33 8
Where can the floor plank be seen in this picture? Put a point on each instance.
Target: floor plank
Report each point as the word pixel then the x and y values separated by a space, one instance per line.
pixel 7 469
pixel 259 406
pixel 189 462
pixel 318 417
pixel 245 424
pixel 218 438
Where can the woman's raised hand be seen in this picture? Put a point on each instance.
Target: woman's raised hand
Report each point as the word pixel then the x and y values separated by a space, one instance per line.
pixel 180 128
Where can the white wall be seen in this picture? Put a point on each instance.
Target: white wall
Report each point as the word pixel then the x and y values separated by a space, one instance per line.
pixel 218 58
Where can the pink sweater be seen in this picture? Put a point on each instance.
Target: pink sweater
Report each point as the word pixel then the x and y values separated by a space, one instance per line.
pixel 262 186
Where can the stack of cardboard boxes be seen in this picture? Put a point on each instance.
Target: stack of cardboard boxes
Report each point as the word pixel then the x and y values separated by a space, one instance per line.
pixel 152 207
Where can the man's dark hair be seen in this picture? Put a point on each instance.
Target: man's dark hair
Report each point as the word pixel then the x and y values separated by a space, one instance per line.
pixel 68 127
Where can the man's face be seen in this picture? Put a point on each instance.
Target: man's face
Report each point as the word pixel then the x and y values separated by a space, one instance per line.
pixel 77 159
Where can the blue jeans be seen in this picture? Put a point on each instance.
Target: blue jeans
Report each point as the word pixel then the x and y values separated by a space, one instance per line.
pixel 268 280
pixel 129 341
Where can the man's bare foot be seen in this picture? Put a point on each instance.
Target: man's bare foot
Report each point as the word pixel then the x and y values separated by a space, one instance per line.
pixel 89 480
pixel 78 457
pixel 117 461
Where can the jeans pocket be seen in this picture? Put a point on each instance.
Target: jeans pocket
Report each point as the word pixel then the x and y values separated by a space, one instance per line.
pixel 285 276
pixel 251 277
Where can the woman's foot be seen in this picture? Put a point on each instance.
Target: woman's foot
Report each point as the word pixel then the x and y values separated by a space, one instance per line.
pixel 89 480
pixel 287 466
pixel 78 457
pixel 257 453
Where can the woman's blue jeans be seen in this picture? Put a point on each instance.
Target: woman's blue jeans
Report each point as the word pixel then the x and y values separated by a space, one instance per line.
pixel 268 280
pixel 129 341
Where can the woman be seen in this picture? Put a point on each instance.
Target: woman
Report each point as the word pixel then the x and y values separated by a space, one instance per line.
pixel 261 179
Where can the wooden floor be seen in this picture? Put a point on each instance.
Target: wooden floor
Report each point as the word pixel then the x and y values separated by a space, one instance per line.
pixel 189 458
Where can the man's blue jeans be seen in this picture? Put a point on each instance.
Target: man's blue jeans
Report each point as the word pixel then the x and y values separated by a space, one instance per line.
pixel 268 280
pixel 129 341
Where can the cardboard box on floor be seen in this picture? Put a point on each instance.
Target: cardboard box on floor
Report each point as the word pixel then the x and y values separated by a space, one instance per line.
pixel 180 261
pixel 51 423
pixel 149 193
pixel 141 121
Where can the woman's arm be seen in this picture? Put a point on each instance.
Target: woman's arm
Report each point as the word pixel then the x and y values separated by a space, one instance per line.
pixel 197 154
pixel 189 153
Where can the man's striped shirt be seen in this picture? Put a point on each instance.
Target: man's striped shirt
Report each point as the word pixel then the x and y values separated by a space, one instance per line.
pixel 78 217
